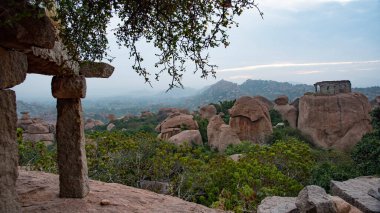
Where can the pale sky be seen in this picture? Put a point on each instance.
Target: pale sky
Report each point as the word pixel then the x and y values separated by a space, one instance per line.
pixel 301 41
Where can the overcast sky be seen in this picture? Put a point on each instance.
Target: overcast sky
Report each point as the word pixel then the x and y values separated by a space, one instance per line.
pixel 299 41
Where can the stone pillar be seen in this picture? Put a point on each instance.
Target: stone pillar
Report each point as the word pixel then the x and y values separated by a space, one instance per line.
pixel 72 162
pixel 13 68
pixel 8 152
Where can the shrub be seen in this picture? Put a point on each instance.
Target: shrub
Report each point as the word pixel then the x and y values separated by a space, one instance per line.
pixel 275 117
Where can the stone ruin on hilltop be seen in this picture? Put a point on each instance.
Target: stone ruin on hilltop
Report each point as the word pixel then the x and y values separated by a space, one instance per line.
pixel 32 45
pixel 332 87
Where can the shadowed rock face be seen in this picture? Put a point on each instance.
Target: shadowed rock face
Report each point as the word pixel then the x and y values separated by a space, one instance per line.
pixel 13 67
pixel 288 113
pixel 250 119
pixel 335 121
pixel 219 134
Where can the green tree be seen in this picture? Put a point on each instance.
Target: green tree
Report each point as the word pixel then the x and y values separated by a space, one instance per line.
pixel 180 30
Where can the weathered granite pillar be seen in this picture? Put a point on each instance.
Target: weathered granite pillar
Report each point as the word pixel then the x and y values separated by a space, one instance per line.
pixel 72 162
pixel 8 152
pixel 13 67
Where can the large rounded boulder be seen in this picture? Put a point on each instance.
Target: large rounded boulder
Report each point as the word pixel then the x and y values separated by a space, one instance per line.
pixel 288 112
pixel 176 123
pixel 335 121
pixel 207 111
pixel 220 135
pixel 250 119
pixel 187 136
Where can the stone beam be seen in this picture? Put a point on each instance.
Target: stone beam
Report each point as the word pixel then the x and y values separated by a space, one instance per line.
pixel 8 152
pixel 72 162
pixel 69 87
pixel 13 67
pixel 27 32
pixel 55 61
pixel 96 69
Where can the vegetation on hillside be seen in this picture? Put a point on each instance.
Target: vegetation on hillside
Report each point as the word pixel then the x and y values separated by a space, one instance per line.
pixel 198 174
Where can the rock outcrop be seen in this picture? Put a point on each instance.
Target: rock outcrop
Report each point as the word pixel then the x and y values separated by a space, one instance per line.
pixel 355 191
pixel 277 204
pixel 35 129
pixel 207 111
pixel 175 123
pixel 14 66
pixel 163 113
pixel 39 191
pixel 311 199
pixel 220 135
pixel 314 199
pixel 334 121
pixel 187 136
pixel 288 112
pixel 265 101
pixel 91 123
pixel 250 119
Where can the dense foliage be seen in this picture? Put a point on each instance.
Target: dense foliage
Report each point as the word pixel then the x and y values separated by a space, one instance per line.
pixel 199 174
pixel 223 108
pixel 367 152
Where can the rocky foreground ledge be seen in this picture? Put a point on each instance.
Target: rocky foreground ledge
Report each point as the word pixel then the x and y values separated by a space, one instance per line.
pixel 38 192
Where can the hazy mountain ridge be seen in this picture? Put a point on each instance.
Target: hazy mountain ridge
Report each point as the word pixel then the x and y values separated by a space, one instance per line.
pixel 185 98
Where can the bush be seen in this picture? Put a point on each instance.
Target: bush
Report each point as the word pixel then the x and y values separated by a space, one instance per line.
pixel 287 133
pixel 36 155
pixel 275 117
pixel 202 124
pixel 366 154
pixel 332 165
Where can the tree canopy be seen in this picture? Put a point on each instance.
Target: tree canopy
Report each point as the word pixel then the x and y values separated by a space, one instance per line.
pixel 180 30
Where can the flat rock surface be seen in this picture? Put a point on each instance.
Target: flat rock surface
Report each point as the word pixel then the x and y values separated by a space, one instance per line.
pixel 277 204
pixel 355 192
pixel 38 192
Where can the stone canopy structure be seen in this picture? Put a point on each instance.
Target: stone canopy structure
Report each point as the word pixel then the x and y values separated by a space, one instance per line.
pixel 332 87
pixel 32 45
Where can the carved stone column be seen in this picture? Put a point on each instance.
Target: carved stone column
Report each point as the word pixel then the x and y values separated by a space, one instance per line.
pixel 72 162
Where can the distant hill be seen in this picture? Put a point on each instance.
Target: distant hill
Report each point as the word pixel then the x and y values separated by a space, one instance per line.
pixel 188 98
pixel 225 90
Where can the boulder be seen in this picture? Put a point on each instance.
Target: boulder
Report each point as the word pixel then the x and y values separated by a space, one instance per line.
pixel 187 136
pixel 220 135
pixel 335 121
pixel 8 153
pixel 166 112
pixel 168 133
pixel 288 113
pixel 296 103
pixel 38 137
pixel 146 114
pixel 355 192
pixel 342 206
pixel 25 116
pixel 69 87
pixel 282 100
pixel 277 204
pixel 236 157
pixel 91 123
pixel 29 31
pixel 110 126
pixel 315 199
pixel 13 67
pixel 265 101
pixel 38 128
pixel 207 111
pixel 55 61
pixel 178 120
pixel 96 69
pixel 250 119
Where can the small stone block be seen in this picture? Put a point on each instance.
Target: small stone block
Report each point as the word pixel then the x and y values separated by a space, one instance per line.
pixel 69 87
pixel 96 69
pixel 13 68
